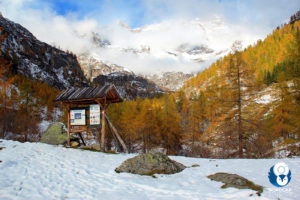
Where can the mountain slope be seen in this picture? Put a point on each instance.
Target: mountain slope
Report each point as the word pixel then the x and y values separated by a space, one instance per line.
pixel 31 75
pixel 37 60
pixel 93 67
pixel 170 80
pixel 246 104
pixel 129 85
pixel 251 96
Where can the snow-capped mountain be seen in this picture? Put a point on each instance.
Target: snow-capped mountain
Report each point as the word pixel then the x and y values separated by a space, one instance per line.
pixel 93 67
pixel 170 46
pixel 186 46
pixel 183 46
pixel 38 60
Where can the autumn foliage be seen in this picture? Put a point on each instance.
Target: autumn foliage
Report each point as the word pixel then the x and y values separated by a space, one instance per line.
pixel 218 112
pixel 244 105
pixel 24 104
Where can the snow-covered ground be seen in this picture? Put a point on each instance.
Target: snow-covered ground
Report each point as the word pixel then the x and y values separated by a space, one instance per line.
pixel 41 171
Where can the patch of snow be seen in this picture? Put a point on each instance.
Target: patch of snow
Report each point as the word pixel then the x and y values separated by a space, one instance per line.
pixel 281 150
pixel 282 154
pixel 34 70
pixel 41 171
pixel 61 78
pixel 290 84
pixel 265 99
pixel 57 114
pixel 127 70
pixel 44 125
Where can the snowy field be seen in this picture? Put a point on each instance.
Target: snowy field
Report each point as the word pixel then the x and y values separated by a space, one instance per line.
pixel 40 171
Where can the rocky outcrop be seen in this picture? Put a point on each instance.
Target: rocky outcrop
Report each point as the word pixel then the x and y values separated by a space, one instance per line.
pixel 55 134
pixel 149 164
pixel 236 181
pixel 38 60
pixel 93 67
pixel 170 80
pixel 130 86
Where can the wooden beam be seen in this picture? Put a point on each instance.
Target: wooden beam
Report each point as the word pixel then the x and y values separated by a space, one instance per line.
pixel 114 136
pixel 117 134
pixel 103 108
pixel 103 126
pixel 68 125
pixel 103 130
pixel 79 133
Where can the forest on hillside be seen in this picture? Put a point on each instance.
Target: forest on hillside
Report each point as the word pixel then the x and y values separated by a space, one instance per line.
pixel 24 104
pixel 246 104
pixel 219 113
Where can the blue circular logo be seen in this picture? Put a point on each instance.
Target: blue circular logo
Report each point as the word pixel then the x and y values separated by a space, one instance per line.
pixel 280 175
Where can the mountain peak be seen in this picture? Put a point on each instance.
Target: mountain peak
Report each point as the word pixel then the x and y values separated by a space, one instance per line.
pixel 38 60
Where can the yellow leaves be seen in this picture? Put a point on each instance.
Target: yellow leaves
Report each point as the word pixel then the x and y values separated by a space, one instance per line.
pixel 260 57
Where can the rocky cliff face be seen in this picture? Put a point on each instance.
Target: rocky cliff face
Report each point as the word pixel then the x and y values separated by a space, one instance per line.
pixel 170 80
pixel 38 60
pixel 130 86
pixel 93 67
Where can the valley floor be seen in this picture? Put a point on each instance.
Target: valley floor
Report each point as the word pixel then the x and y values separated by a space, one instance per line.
pixel 41 171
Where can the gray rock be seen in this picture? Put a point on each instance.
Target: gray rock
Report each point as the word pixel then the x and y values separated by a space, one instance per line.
pixel 149 164
pixel 234 180
pixel 54 134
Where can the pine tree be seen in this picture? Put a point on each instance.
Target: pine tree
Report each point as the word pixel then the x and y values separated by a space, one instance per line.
pixel 27 109
pixel 6 104
pixel 197 121
pixel 235 90
pixel 150 129
pixel 128 124
pixel 171 130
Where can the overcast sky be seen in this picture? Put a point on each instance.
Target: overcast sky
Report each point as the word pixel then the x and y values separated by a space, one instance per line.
pixel 55 21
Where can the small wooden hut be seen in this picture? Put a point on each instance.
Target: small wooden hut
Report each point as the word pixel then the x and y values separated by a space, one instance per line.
pixel 86 110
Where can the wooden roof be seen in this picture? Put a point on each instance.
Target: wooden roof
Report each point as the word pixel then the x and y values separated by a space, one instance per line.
pixel 90 95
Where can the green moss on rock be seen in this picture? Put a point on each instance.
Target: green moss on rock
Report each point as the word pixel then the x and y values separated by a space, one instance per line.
pixel 55 134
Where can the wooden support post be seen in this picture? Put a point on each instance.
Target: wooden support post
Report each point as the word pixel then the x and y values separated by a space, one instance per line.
pixel 68 125
pixel 103 107
pixel 103 129
pixel 82 140
pixel 117 134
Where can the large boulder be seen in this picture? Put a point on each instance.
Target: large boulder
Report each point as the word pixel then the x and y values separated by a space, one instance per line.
pixel 149 164
pixel 55 134
pixel 234 180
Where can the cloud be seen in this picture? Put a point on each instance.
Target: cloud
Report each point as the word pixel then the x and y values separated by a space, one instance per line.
pixel 160 25
pixel 160 43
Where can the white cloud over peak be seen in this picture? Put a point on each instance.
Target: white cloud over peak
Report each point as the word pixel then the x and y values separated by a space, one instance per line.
pixel 170 44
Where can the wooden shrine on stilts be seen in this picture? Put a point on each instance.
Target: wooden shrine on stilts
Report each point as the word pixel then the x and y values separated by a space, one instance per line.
pixel 86 110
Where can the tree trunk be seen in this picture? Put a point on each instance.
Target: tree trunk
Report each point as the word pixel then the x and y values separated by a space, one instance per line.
pixel 240 134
